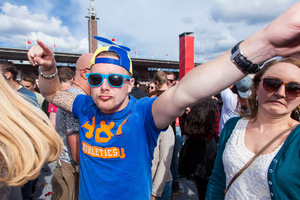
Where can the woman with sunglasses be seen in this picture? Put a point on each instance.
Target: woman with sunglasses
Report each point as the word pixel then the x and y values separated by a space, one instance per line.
pixel 274 107
pixel 151 87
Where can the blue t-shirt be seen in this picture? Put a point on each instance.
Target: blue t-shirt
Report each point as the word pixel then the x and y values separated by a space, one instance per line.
pixel 116 150
pixel 29 96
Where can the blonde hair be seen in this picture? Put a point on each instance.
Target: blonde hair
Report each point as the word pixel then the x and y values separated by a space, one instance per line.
pixel 160 77
pixel 27 138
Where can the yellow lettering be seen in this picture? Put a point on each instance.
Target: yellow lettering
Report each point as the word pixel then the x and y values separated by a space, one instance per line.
pixel 107 153
pixel 90 128
pixel 115 152
pixel 119 131
pixel 106 129
pixel 122 153
pixel 97 152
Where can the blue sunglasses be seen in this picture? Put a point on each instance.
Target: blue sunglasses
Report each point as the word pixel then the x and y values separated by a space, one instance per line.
pixel 114 80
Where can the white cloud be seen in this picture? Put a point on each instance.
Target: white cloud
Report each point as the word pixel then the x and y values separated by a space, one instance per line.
pixel 148 26
pixel 19 25
pixel 251 12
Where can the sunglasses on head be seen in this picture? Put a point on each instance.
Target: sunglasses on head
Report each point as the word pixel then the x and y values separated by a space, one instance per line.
pixel 273 84
pixel 114 80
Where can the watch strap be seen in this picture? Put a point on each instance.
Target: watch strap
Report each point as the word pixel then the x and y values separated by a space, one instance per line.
pixel 241 61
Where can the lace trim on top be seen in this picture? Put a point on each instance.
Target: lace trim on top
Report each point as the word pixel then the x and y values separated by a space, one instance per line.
pixel 253 182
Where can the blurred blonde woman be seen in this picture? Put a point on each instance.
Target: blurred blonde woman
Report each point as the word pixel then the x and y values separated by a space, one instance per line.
pixel 27 139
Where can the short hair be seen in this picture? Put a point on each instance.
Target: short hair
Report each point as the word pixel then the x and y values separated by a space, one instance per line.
pixel 160 77
pixel 108 53
pixel 29 79
pixel 171 73
pixel 7 66
pixel 65 74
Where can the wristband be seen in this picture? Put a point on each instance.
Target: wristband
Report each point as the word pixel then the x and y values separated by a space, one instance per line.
pixel 47 76
pixel 241 61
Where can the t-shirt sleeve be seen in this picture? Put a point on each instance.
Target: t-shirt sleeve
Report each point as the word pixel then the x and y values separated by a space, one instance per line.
pixel 146 104
pixel 82 104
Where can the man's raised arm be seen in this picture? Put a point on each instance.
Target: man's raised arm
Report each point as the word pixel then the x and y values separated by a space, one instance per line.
pixel 48 79
pixel 280 38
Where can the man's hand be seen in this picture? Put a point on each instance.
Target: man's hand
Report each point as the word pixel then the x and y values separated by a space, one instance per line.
pixel 42 55
pixel 284 32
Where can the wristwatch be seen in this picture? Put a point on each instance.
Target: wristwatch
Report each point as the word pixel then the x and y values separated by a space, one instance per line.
pixel 241 61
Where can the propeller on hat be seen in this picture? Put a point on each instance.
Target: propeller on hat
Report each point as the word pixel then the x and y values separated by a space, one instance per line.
pixel 102 39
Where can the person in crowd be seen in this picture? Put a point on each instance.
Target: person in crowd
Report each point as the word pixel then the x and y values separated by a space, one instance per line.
pixel 161 163
pixel 243 91
pixel 198 153
pixel 136 92
pixel 27 140
pixel 151 87
pixel 66 76
pixel 171 78
pixel 44 183
pixel 118 132
pixel 10 73
pixel 234 100
pixel 29 83
pixel 65 179
pixel 160 80
pixel 274 108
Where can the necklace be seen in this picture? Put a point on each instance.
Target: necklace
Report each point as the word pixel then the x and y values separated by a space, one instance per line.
pixel 79 87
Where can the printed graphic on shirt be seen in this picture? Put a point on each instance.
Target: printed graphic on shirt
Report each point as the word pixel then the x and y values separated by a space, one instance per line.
pixel 102 134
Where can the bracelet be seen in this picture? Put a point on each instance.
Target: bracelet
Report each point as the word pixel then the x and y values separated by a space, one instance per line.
pixel 47 76
pixel 241 61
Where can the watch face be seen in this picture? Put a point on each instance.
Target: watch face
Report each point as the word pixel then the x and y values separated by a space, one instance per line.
pixel 241 61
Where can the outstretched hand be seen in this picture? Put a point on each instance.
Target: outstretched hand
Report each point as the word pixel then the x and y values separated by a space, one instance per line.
pixel 41 55
pixel 284 33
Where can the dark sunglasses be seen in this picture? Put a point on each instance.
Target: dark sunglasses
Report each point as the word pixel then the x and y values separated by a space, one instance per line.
pixel 150 87
pixel 171 80
pixel 114 80
pixel 273 84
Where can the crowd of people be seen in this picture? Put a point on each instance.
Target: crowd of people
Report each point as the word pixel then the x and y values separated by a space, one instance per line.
pixel 109 139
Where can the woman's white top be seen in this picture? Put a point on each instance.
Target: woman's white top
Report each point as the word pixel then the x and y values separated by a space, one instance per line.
pixel 253 182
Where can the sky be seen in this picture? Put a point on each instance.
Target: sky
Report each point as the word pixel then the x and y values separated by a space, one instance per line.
pixel 151 28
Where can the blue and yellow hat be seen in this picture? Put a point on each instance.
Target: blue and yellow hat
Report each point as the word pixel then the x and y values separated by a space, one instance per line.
pixel 124 59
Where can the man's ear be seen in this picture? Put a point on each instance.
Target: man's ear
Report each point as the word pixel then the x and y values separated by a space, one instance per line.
pixel 83 72
pixel 130 84
pixel 7 75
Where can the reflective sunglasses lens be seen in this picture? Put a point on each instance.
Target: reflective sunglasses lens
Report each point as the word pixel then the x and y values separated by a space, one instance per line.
pixel 115 80
pixel 95 79
pixel 271 85
pixel 293 89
